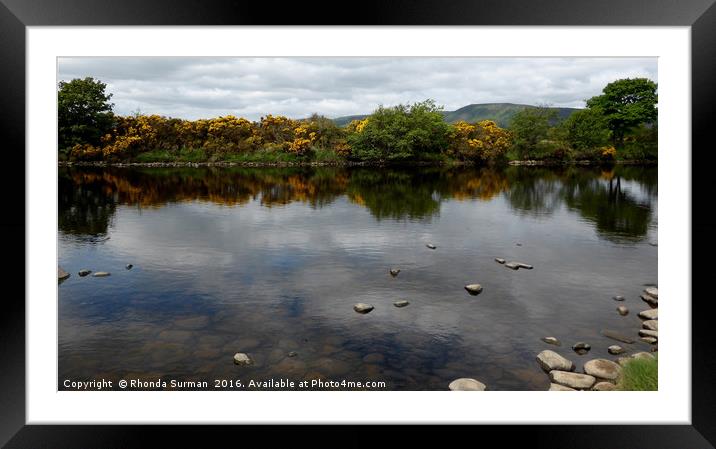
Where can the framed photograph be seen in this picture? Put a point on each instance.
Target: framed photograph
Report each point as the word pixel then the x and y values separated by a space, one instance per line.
pixel 422 214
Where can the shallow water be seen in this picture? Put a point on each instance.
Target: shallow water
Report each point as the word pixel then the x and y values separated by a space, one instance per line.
pixel 268 261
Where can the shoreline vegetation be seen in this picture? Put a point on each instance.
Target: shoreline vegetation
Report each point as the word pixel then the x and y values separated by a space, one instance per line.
pixel 618 126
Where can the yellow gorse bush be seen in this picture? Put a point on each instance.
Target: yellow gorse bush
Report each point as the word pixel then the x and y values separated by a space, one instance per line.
pixel 483 140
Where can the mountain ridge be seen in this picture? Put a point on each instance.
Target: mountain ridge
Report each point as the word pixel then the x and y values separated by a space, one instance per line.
pixel 501 113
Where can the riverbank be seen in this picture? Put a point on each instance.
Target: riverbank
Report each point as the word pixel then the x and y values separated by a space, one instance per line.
pixel 344 163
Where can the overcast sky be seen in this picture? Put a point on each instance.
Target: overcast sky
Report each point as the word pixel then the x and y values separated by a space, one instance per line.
pixel 194 88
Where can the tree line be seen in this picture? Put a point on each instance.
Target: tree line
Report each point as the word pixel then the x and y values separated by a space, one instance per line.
pixel 621 123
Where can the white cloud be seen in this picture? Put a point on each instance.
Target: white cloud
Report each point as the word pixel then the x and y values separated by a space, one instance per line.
pixel 251 87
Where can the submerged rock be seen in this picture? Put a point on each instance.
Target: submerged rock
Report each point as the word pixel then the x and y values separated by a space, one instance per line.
pixel 602 369
pixel 572 380
pixel 401 303
pixel 500 260
pixel 84 272
pixel 241 358
pixel 431 246
pixel 292 354
pixel 651 314
pixel 550 361
pixel 466 384
pixel 101 274
pixel 363 308
pixel 526 266
pixel 618 298
pixel 394 271
pixel 623 311
pixel 615 350
pixel 512 265
pixel 62 274
pixel 473 289
pixel 129 266
pixel 581 348
pixel 617 336
pixel 551 341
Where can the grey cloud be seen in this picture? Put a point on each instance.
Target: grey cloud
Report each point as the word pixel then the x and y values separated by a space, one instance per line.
pixel 251 87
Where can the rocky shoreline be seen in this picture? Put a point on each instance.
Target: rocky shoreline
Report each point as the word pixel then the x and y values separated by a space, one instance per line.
pixel 330 164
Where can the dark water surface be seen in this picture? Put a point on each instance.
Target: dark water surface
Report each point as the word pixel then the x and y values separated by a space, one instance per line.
pixel 269 261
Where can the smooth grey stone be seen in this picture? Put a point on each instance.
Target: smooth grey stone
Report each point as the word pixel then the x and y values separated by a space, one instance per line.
pixel 401 303
pixel 363 308
pixel 473 289
pixel 431 246
pixel 500 260
pixel 581 348
pixel 623 311
pixel 651 314
pixel 618 298
pixel 62 274
pixel 551 341
pixel 84 272
pixel 101 274
pixel 602 369
pixel 241 358
pixel 466 384
pixel 615 350
pixel 550 361
pixel 572 380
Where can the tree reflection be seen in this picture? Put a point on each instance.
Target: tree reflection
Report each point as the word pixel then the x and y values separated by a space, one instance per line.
pixel 88 197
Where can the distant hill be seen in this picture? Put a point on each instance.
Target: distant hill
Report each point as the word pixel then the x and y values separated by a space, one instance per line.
pixel 501 113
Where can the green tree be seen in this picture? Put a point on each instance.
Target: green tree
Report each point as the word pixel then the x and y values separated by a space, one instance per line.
pixel 84 113
pixel 585 130
pixel 401 132
pixel 626 103
pixel 529 127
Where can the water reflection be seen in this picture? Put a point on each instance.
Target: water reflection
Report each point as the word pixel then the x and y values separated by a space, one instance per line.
pixel 618 201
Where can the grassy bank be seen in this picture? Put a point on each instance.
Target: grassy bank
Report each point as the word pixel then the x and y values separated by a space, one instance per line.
pixel 640 374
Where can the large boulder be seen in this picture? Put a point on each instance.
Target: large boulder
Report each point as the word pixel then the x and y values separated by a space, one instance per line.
pixel 572 380
pixel 602 369
pixel 550 361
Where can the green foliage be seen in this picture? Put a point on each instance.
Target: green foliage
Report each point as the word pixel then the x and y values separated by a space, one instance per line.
pixel 528 128
pixel 585 131
pixel 400 133
pixel 626 103
pixel 640 374
pixel 84 113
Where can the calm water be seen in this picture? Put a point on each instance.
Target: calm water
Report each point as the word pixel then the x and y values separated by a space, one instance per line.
pixel 268 261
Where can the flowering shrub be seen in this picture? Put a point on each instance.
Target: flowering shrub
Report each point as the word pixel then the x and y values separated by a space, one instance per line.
pixel 479 141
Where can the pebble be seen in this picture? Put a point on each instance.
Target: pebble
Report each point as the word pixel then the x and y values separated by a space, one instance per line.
pixel 615 350
pixel 581 348
pixel 473 289
pixel 551 341
pixel 242 359
pixel 623 311
pixel 500 260
pixel 618 298
pixel 431 246
pixel 84 272
pixel 101 274
pixel 363 308
pixel 401 303
pixel 129 266
pixel 394 271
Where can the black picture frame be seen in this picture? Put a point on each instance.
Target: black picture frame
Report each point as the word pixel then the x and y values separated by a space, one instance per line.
pixel 16 15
